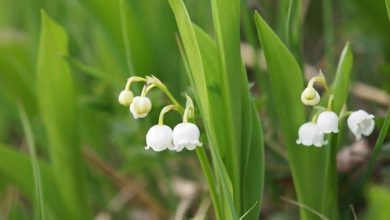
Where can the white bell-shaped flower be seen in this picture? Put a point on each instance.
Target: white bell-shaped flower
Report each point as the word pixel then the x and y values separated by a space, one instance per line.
pixel 186 135
pixel 125 97
pixel 310 96
pixel 361 123
pixel 310 134
pixel 159 138
pixel 328 122
pixel 140 107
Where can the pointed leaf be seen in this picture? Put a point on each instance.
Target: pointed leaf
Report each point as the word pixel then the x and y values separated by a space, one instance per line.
pixel 57 106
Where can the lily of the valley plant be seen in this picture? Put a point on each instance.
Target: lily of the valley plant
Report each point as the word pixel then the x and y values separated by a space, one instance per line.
pixel 160 136
pixel 326 121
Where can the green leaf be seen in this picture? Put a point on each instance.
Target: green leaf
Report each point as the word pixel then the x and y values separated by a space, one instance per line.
pixel 253 173
pixel 306 163
pixel 340 86
pixel 252 166
pixel 231 145
pixel 226 17
pixel 197 76
pixel 56 100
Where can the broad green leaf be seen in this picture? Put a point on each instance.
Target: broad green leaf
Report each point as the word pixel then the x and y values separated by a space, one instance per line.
pixel 252 158
pixel 16 167
pixel 191 49
pixel 226 19
pixel 56 100
pixel 306 163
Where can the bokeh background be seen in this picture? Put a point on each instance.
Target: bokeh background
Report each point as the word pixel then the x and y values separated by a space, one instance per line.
pixel 123 181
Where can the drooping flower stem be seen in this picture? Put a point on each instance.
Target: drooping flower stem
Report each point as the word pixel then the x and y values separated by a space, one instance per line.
pixel 133 79
pixel 157 83
pixel 165 110
pixel 315 116
pixel 318 79
pixel 330 102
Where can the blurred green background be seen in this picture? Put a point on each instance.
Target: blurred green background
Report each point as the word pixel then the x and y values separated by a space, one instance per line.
pixel 122 180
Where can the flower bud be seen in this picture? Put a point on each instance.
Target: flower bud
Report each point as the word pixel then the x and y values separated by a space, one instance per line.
pixel 186 135
pixel 140 107
pixel 328 122
pixel 159 138
pixel 310 96
pixel 125 97
pixel 361 123
pixel 310 134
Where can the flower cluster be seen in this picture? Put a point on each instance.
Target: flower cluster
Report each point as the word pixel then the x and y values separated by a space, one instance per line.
pixel 326 121
pixel 161 137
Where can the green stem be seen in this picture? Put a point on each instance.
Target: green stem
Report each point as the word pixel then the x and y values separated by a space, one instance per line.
pixel 170 96
pixel 315 116
pixel 206 168
pixel 318 79
pixel 165 110
pixel 133 79
pixel 330 102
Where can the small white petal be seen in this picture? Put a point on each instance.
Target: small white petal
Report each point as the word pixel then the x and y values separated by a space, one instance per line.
pixel 328 122
pixel 186 135
pixel 310 97
pixel 309 134
pixel 159 138
pixel 125 97
pixel 140 107
pixel 361 123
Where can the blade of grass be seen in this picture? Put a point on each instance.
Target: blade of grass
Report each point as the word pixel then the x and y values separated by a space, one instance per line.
pixel 388 8
pixel 17 168
pixel 56 100
pixel 122 9
pixel 40 210
pixel 377 149
pixel 321 216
